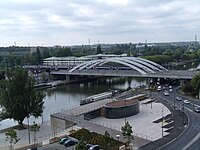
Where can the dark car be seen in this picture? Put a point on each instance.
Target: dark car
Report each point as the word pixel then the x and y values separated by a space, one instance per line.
pixel 62 140
pixel 35 148
pixel 94 147
pixel 88 146
pixel 70 143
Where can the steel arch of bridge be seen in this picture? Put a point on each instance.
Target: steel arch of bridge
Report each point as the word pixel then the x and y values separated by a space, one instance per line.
pixel 140 65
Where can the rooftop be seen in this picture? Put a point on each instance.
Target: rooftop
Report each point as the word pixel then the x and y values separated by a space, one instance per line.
pixel 122 103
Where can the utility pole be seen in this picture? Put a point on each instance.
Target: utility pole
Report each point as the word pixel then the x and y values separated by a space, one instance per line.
pixel 162 119
pixel 125 111
pixel 174 99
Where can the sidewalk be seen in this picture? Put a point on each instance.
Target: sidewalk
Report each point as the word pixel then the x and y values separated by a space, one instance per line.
pixel 144 129
pixel 45 133
pixel 178 119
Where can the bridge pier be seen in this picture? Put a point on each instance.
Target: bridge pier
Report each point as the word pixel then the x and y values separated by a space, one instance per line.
pixel 67 78
pixel 57 77
pixel 59 123
pixel 182 82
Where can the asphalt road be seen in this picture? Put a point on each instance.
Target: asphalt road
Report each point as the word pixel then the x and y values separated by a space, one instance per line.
pixel 189 140
pixel 57 146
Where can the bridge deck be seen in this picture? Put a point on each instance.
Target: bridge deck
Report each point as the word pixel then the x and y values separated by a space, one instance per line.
pixel 174 74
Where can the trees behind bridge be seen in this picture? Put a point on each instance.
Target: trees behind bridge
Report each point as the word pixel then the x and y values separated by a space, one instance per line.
pixel 161 52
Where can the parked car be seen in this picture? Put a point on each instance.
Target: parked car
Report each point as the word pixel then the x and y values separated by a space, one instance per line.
pixel 186 102
pixel 62 140
pixel 170 90
pixel 197 109
pixel 178 98
pixel 94 147
pixel 166 93
pixel 35 148
pixel 88 146
pixel 70 143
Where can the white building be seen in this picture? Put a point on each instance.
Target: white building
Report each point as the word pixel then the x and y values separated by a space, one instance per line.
pixel 64 61
pixel 74 61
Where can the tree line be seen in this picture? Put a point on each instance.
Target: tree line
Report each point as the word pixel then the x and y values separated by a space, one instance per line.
pixel 161 54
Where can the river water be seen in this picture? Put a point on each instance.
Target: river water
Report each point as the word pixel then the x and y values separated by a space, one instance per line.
pixel 65 97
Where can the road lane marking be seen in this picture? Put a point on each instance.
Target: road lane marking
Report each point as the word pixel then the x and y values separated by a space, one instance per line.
pixel 192 141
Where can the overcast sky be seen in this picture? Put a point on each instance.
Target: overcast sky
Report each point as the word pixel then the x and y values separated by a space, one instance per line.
pixel 70 22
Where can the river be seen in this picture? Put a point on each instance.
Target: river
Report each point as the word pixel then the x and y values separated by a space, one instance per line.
pixel 65 97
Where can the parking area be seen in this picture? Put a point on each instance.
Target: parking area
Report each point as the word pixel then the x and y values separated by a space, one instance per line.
pixel 57 146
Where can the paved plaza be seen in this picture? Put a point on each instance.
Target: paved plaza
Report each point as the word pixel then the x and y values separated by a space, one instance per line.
pixel 142 124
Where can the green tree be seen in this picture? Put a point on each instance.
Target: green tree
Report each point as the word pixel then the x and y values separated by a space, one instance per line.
pixel 195 82
pixel 11 136
pixel 107 135
pixel 198 53
pixel 63 52
pixel 177 55
pixel 18 98
pixel 99 51
pixel 36 58
pixel 46 54
pixel 35 128
pixel 127 132
pixel 82 145
pixel 39 57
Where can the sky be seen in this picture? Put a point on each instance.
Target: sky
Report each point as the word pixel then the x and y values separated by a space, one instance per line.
pixel 74 22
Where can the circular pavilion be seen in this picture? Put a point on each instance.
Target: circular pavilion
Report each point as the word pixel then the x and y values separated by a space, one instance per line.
pixel 122 108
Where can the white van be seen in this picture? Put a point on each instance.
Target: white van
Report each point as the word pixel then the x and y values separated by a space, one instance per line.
pixel 159 88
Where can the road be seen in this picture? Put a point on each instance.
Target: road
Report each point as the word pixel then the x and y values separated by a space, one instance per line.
pixel 188 140
pixel 57 146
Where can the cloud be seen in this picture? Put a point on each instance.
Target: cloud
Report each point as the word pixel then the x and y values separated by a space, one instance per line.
pixel 74 21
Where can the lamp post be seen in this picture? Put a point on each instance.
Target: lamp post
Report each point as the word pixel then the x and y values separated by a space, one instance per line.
pixel 174 99
pixel 29 138
pixel 118 139
pixel 125 110
pixel 118 136
pixel 183 113
pixel 162 119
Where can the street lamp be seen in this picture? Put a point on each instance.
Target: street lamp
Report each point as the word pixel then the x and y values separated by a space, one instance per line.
pixel 118 139
pixel 118 136
pixel 125 110
pixel 174 99
pixel 162 119
pixel 29 138
pixel 183 113
pixel 28 115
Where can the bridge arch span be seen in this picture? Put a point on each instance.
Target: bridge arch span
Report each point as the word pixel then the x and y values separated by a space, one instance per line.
pixel 140 65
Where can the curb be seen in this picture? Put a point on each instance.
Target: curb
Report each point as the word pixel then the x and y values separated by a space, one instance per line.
pixel 178 135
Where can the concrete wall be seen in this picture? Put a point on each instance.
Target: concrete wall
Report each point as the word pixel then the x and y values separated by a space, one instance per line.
pixel 121 112
pixel 92 114
pixel 57 123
